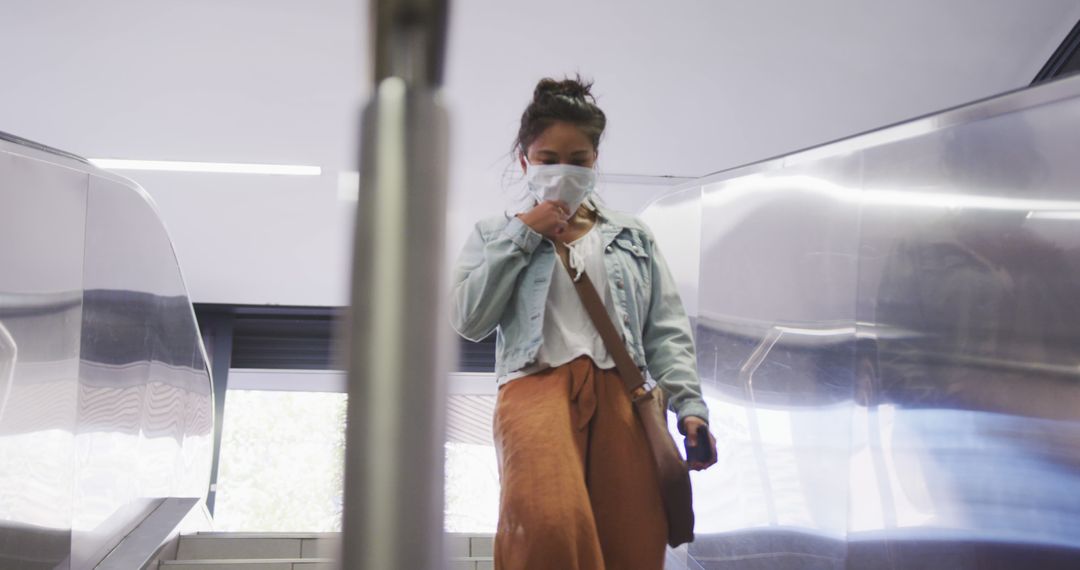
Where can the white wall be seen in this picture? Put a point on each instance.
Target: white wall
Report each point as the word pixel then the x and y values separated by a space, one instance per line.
pixel 269 81
pixel 689 88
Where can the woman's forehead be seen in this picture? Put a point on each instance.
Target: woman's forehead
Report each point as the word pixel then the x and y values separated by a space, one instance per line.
pixel 546 150
pixel 563 134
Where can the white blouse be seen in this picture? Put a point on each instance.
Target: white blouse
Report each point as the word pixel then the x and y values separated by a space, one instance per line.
pixel 568 331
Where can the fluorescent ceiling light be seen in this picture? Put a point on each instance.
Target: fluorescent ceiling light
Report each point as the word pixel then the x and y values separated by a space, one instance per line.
pixel 212 167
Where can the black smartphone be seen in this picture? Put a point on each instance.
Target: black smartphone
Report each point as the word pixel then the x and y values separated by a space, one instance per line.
pixel 703 450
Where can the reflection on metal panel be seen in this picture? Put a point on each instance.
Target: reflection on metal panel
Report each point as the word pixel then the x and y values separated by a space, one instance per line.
pixel 42 211
pixel 104 392
pixel 888 332
pixel 676 224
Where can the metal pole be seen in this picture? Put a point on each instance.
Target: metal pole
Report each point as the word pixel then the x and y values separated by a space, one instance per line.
pixel 399 347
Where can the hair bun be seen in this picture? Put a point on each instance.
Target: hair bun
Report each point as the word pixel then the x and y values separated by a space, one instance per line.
pixel 575 88
pixel 571 101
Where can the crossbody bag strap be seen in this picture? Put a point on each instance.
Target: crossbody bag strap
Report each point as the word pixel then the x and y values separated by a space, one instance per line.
pixel 594 306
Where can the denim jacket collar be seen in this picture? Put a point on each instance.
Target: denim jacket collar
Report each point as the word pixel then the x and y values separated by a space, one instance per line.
pixel 610 227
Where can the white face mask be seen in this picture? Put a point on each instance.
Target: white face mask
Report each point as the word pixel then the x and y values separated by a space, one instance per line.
pixel 566 182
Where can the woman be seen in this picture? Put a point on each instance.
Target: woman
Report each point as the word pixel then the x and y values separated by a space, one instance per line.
pixel 579 488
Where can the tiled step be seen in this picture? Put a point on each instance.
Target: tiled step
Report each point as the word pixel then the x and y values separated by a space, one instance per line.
pixel 469 552
pixel 232 545
pixel 469 545
pixel 300 551
pixel 470 564
pixel 252 564
pixel 477 563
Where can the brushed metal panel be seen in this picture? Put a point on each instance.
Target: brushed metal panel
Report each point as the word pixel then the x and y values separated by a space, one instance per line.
pixel 776 345
pixel 42 213
pixel 889 336
pixel 969 301
pixel 105 400
pixel 144 393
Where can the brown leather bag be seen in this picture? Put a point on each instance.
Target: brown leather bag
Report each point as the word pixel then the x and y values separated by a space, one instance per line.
pixel 651 409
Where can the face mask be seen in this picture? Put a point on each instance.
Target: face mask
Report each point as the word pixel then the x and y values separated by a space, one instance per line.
pixel 571 184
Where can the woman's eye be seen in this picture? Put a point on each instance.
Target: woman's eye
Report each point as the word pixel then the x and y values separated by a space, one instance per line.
pixel 551 162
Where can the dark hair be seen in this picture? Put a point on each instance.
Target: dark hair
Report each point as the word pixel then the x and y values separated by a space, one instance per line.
pixel 569 100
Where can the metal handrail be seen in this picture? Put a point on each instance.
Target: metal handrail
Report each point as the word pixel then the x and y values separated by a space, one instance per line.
pixel 399 349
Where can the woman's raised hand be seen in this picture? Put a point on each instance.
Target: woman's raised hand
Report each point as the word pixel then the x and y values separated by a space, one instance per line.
pixel 549 218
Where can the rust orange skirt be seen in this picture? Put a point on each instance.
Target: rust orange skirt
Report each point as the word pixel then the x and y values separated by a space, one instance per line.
pixel 579 488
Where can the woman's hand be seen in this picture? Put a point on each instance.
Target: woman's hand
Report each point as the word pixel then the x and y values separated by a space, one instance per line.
pixel 549 218
pixel 690 426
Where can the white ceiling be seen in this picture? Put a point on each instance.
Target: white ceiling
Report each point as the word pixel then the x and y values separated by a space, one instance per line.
pixel 690 87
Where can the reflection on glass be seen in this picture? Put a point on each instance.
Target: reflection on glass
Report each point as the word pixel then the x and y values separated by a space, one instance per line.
pixel 472 471
pixel 281 462
pixel 472 488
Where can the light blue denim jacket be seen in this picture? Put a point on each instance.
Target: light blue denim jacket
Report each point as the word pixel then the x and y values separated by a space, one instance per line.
pixel 501 281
